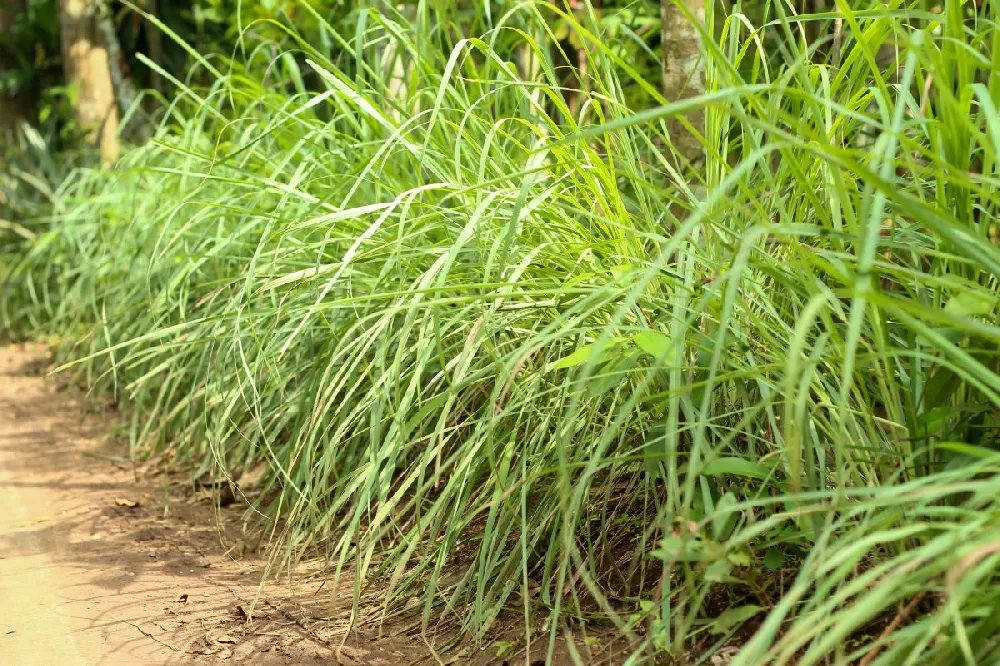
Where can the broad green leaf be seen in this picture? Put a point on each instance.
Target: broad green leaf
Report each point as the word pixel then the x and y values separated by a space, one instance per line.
pixel 930 422
pixel 718 571
pixel 733 618
pixel 654 449
pixel 732 466
pixel 942 384
pixel 724 519
pixel 654 343
pixel 773 559
pixel 971 303
pixel 578 357
pixel 581 355
pixel 621 270
pixel 615 370
pixel 676 549
pixel 739 558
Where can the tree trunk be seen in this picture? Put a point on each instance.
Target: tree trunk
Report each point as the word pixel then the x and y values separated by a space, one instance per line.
pixel 684 73
pixel 88 72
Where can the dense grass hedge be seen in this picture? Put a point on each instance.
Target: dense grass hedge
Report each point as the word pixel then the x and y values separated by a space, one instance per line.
pixel 501 353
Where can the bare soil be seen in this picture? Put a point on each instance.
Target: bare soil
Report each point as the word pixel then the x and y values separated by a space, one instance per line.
pixel 102 563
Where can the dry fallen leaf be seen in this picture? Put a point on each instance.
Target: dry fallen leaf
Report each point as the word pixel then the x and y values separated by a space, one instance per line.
pixel 222 637
pixel 121 501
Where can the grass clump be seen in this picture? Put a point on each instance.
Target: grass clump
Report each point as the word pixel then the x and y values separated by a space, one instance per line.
pixel 495 349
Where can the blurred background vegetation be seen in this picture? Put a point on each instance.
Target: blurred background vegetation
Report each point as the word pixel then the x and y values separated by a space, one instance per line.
pixel 37 101
pixel 32 79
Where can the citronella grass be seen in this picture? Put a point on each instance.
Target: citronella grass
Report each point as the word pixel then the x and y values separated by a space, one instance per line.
pixel 495 350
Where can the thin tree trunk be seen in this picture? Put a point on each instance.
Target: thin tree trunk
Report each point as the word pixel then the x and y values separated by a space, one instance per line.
pixel 88 72
pixel 684 72
pixel 124 89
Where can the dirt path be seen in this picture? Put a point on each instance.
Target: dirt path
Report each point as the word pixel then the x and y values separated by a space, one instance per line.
pixel 87 578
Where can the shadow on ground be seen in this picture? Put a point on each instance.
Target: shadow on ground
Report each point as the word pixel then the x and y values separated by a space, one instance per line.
pixel 133 570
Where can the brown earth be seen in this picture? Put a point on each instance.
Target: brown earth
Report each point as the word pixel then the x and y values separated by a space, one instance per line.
pixel 102 563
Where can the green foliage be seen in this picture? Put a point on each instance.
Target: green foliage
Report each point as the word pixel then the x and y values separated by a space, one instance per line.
pixel 30 50
pixel 493 350
pixel 29 184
